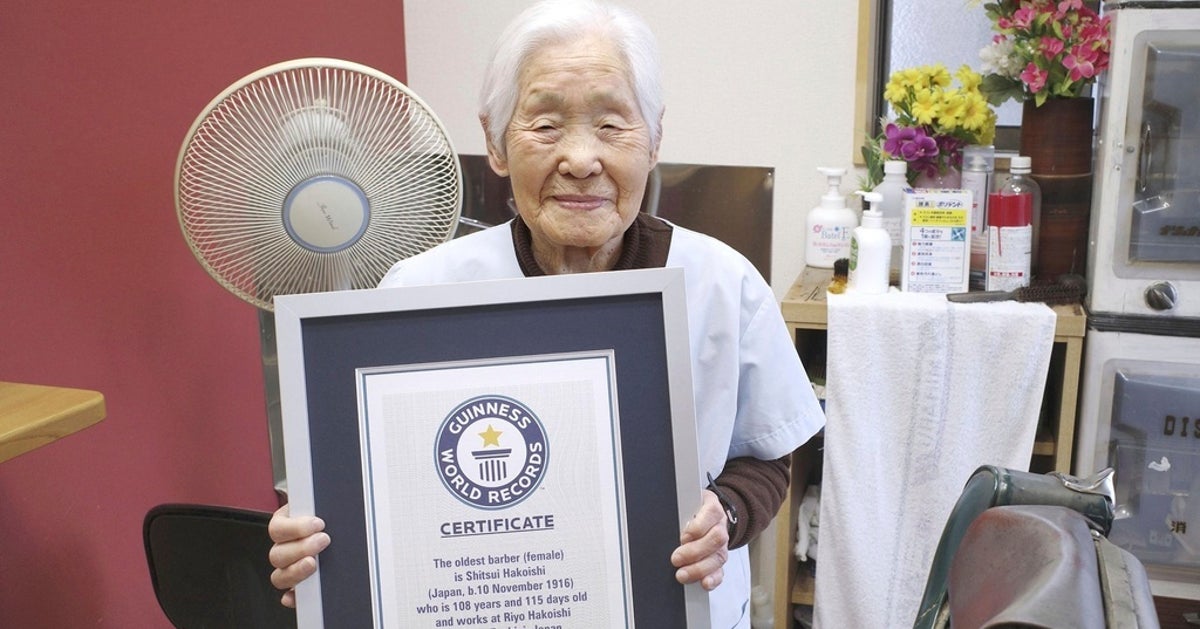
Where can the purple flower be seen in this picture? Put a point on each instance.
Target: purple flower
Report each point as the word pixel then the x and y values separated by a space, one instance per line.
pixel 908 143
pixel 951 149
pixel 912 145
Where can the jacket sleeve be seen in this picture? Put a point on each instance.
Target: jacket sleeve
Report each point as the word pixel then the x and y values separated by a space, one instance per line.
pixel 755 488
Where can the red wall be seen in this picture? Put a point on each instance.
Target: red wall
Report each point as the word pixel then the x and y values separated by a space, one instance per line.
pixel 98 289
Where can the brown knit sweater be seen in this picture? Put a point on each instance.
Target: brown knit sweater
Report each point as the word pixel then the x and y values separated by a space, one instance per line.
pixel 754 487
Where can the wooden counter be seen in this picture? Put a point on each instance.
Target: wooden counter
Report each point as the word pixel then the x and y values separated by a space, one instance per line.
pixel 32 415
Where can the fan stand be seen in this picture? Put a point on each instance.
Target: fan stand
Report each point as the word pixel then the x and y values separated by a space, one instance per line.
pixel 324 214
pixel 270 370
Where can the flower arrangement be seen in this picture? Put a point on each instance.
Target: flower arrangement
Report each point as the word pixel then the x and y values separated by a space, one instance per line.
pixel 934 121
pixel 1043 49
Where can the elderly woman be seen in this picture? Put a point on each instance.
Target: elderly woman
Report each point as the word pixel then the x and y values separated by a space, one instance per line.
pixel 571 108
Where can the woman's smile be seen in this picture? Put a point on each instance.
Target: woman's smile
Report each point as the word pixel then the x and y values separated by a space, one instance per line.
pixel 581 202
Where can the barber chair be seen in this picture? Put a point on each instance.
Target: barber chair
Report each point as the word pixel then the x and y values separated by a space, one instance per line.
pixel 210 570
pixel 1029 550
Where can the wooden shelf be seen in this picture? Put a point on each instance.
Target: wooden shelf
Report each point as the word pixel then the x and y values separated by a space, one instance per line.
pixel 803 586
pixel 804 311
pixel 804 306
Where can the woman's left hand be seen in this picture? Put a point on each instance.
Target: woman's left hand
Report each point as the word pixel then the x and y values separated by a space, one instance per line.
pixel 704 545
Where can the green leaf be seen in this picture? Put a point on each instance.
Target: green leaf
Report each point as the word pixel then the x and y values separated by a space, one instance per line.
pixel 999 89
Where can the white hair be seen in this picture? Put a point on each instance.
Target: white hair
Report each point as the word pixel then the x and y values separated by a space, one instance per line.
pixel 556 21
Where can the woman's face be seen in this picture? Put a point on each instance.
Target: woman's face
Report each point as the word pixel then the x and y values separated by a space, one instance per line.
pixel 579 151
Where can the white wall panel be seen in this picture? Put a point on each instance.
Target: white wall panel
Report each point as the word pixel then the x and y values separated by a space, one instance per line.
pixel 764 83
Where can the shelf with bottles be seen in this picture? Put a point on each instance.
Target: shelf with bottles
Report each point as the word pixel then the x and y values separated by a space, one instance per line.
pixel 804 311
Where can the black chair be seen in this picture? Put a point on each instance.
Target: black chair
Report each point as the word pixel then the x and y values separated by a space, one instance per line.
pixel 210 570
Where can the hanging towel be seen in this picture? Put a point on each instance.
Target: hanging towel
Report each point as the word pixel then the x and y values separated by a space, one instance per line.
pixel 920 392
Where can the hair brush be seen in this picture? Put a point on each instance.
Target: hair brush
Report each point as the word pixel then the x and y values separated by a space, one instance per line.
pixel 1069 289
pixel 841 272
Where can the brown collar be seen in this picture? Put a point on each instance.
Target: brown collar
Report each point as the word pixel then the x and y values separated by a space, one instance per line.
pixel 645 245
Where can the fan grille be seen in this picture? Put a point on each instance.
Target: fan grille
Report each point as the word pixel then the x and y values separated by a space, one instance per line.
pixel 292 123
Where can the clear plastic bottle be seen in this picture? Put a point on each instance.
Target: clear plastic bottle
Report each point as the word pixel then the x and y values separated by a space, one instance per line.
pixel 891 207
pixel 1019 178
pixel 1012 228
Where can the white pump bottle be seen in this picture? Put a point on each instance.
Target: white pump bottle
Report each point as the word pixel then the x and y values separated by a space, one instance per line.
pixel 870 251
pixel 829 225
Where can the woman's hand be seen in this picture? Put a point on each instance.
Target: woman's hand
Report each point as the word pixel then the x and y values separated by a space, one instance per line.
pixel 294 555
pixel 704 545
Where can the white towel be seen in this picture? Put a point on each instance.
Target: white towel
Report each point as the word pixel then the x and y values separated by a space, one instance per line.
pixel 807 522
pixel 920 392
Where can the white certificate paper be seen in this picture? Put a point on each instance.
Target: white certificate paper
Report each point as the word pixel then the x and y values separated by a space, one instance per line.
pixel 494 493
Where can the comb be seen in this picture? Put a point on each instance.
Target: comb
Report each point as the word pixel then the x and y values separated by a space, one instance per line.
pixel 1069 289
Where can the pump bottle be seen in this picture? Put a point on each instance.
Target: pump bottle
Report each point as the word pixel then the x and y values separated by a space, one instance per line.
pixel 829 224
pixel 870 250
pixel 891 207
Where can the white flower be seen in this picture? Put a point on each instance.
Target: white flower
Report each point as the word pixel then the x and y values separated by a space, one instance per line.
pixel 998 58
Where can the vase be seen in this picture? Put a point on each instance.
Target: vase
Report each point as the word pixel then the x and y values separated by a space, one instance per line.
pixel 949 178
pixel 1057 137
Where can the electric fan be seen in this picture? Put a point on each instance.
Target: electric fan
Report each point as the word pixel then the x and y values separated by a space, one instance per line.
pixel 312 175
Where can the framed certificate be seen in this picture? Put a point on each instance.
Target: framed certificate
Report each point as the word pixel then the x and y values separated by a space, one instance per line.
pixel 511 453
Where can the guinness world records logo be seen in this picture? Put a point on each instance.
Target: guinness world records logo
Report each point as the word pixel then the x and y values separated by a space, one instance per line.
pixel 491 452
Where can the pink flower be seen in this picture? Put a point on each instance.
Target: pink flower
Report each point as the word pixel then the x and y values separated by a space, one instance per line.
pixel 1095 33
pixel 1023 17
pixel 1081 63
pixel 1034 77
pixel 1051 47
pixel 1043 34
pixel 1066 6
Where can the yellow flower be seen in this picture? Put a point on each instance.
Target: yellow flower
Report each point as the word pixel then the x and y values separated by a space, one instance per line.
pixel 938 75
pixel 915 78
pixel 975 112
pixel 968 78
pixel 924 107
pixel 953 106
pixel 896 92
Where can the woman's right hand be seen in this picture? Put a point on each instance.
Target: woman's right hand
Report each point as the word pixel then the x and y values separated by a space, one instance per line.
pixel 294 554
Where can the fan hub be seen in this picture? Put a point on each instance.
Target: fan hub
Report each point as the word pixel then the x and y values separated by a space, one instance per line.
pixel 326 213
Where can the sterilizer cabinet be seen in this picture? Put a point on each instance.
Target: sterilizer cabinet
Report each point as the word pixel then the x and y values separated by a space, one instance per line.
pixel 1144 249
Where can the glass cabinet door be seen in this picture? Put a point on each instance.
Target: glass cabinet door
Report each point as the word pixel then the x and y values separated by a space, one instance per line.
pixel 1164 126
pixel 1154 446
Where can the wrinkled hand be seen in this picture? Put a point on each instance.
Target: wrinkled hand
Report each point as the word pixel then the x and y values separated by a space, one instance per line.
pixel 294 554
pixel 704 545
